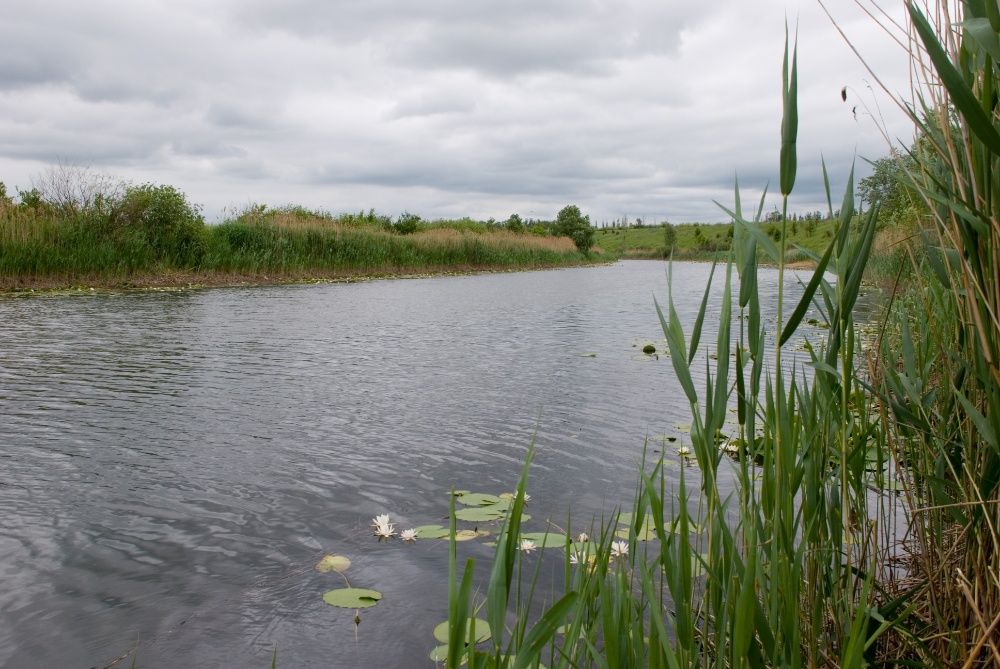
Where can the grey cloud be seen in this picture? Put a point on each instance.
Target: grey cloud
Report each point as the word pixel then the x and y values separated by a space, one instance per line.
pixel 452 106
pixel 500 39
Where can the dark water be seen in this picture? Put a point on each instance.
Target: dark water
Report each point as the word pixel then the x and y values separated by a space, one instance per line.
pixel 175 463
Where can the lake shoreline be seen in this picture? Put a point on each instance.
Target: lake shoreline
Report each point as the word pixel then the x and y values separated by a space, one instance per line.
pixel 194 280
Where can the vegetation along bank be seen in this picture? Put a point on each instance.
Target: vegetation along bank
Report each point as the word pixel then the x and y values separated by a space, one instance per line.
pixel 82 229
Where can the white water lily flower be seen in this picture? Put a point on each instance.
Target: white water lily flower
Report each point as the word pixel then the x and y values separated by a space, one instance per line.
pixel 583 537
pixel 684 450
pixel 619 549
pixel 382 528
pixel 574 558
pixel 527 545
pixel 386 531
pixel 408 535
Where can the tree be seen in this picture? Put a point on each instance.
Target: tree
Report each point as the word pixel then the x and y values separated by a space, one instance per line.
pixel 669 236
pixel 886 186
pixel 571 223
pixel 514 223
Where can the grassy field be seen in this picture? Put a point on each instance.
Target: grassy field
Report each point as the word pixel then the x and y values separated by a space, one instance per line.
pixel 703 241
pixel 151 235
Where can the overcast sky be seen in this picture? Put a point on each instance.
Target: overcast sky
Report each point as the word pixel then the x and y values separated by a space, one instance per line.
pixel 443 108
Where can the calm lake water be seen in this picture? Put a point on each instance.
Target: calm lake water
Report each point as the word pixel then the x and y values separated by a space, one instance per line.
pixel 175 463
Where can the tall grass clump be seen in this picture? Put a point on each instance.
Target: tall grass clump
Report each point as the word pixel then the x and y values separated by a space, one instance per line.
pixel 942 360
pixel 864 523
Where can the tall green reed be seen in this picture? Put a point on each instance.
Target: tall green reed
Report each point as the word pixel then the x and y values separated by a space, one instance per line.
pixel 942 375
pixel 783 571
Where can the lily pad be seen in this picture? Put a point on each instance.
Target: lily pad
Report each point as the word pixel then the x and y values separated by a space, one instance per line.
pixel 352 598
pixel 439 654
pixel 482 631
pixel 468 535
pixel 646 533
pixel 478 499
pixel 482 514
pixel 337 563
pixel 546 539
pixel 431 532
pixel 459 493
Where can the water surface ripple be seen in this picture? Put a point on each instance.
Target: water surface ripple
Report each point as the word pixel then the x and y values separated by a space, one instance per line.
pixel 175 462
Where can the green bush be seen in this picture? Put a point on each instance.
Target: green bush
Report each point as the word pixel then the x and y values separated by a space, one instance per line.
pixel 172 226
pixel 571 223
pixel 407 223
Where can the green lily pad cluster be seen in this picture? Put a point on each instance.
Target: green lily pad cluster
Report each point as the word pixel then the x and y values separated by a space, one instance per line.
pixel 480 507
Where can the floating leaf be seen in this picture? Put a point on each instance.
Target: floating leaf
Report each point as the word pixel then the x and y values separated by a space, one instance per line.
pixel 352 598
pixel 482 630
pixel 546 539
pixel 478 499
pixel 337 563
pixel 507 496
pixel 439 654
pixel 646 533
pixel 482 514
pixel 459 493
pixel 466 535
pixel 431 532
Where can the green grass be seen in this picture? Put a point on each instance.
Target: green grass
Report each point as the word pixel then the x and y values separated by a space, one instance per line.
pixel 705 241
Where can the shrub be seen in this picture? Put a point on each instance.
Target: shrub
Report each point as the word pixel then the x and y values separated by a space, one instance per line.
pixel 571 223
pixel 407 223
pixel 172 226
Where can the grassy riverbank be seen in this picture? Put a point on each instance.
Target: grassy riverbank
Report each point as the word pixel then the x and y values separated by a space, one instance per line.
pixel 152 236
pixel 709 241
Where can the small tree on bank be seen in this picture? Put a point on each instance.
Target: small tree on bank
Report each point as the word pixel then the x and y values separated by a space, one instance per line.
pixel 669 236
pixel 571 223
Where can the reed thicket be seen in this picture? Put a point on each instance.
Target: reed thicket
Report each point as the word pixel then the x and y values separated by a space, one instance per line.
pixel 150 230
pixel 864 525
